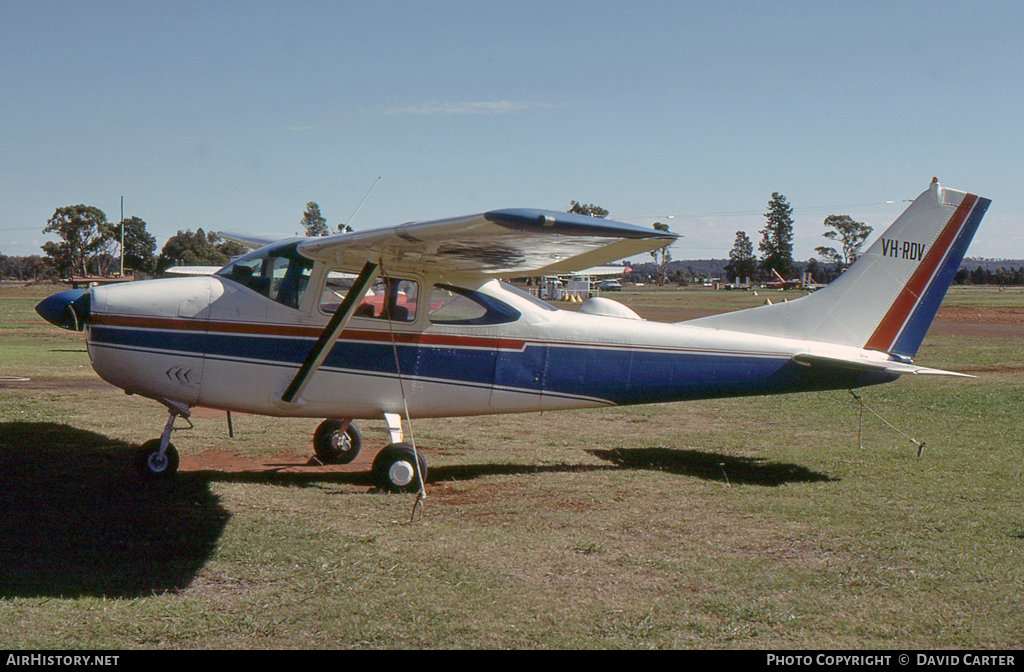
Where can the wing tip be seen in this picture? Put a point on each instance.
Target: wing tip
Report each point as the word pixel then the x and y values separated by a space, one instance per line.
pixel 569 223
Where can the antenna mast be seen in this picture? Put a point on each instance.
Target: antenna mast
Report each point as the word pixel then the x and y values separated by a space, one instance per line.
pixel 353 215
pixel 122 236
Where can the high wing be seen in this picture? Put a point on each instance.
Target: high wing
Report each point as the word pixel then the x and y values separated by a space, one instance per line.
pixel 254 240
pixel 506 243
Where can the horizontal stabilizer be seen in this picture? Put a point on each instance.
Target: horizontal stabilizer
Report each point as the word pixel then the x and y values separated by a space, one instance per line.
pixel 179 271
pixel 885 366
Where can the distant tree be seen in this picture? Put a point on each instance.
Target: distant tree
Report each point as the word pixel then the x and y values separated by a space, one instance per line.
pixel 230 248
pixel 777 237
pixel 1003 276
pixel 314 223
pixel 24 268
pixel 35 267
pixel 662 256
pixel 851 233
pixel 590 210
pixel 813 269
pixel 139 245
pixel 196 249
pixel 742 262
pixel 85 235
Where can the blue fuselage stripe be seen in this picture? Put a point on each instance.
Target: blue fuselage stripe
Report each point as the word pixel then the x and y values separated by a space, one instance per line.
pixel 619 375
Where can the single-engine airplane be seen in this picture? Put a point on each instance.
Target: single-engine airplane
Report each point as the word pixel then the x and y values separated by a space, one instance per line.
pixel 415 321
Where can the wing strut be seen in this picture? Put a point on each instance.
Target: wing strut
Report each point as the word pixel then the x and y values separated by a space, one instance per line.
pixel 330 333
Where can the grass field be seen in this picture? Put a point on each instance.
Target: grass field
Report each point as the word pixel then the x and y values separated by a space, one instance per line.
pixel 767 522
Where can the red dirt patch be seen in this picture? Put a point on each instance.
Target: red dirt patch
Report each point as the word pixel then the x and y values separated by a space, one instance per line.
pixel 991 315
pixel 999 322
pixel 54 384
pixel 230 463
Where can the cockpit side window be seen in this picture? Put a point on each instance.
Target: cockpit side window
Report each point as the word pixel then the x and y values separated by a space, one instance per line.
pixel 278 273
pixel 392 298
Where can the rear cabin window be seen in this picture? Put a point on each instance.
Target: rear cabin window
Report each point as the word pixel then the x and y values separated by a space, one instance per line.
pixel 455 305
pixel 543 305
pixel 387 297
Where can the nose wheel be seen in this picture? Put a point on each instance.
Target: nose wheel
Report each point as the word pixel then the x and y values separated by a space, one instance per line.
pixel 155 463
pixel 337 441
pixel 158 458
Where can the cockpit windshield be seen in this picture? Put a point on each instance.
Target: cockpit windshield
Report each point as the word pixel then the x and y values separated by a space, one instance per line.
pixel 277 272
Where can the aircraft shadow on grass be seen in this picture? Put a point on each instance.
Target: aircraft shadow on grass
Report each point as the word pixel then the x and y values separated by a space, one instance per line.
pixel 712 466
pixel 693 463
pixel 78 521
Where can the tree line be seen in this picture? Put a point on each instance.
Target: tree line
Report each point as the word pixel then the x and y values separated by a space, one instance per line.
pixel 90 245
pixel 776 246
pixel 776 251
pixel 1002 276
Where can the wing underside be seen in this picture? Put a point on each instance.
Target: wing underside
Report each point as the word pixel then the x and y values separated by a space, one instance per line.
pixel 506 243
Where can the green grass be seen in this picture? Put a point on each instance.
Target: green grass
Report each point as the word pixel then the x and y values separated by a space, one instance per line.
pixel 985 296
pixel 746 523
pixel 19 313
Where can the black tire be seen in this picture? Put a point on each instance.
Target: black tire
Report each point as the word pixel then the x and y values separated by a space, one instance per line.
pixel 333 446
pixel 393 469
pixel 152 466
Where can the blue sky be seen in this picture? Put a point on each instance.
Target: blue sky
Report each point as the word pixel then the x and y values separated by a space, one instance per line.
pixel 232 115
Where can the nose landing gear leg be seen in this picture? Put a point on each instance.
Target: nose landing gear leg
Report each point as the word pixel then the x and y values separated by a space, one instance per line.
pixel 158 458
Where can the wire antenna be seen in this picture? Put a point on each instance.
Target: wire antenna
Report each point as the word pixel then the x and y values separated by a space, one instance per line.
pixel 353 215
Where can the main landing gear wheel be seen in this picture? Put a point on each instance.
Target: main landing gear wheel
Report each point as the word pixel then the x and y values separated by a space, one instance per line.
pixel 334 445
pixel 394 468
pixel 154 465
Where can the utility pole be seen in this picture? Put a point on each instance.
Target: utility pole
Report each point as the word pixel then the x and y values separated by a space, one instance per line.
pixel 122 236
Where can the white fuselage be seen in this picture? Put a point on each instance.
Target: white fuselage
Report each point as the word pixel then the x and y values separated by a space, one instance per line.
pixel 210 341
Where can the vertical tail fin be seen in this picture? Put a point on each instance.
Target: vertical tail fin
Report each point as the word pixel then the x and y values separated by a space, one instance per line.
pixel 888 298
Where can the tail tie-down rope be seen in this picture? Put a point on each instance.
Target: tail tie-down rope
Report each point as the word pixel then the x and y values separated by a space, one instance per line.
pixel 860 419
